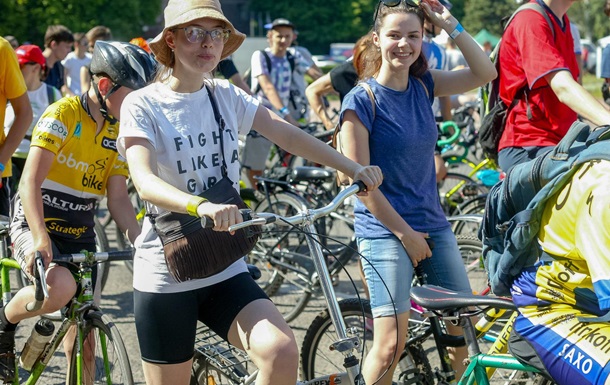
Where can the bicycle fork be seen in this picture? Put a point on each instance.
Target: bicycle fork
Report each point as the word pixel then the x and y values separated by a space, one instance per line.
pixel 344 344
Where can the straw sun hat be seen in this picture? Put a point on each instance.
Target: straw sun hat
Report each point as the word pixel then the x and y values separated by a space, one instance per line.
pixel 180 12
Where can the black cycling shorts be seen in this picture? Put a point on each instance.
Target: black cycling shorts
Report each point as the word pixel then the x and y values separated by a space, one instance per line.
pixel 166 323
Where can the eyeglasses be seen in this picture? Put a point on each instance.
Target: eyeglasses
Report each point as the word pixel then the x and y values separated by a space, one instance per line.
pixel 394 3
pixel 197 35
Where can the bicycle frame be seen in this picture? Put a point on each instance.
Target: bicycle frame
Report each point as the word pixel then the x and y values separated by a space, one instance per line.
pixel 482 365
pixel 79 306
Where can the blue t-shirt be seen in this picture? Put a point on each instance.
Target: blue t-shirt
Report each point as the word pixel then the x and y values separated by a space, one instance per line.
pixel 402 138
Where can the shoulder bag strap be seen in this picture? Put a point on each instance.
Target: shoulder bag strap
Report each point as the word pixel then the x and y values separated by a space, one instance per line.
pixel 221 127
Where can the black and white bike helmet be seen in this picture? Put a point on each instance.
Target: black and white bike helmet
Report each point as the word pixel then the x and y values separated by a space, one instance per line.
pixel 125 64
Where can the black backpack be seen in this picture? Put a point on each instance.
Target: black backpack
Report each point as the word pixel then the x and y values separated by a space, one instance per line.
pixel 515 205
pixel 493 111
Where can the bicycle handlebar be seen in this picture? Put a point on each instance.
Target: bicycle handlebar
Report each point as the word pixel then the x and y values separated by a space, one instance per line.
pixel 95 256
pixel 313 214
pixel 444 127
pixel 40 278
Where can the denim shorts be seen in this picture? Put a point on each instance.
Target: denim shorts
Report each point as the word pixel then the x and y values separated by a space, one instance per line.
pixel 389 271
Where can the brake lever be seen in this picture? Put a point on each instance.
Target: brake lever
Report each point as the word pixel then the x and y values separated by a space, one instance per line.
pixel 41 274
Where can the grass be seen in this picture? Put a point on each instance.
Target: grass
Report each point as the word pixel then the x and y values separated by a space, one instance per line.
pixel 593 85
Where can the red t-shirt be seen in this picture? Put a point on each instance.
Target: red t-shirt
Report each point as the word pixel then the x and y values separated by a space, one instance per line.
pixel 528 52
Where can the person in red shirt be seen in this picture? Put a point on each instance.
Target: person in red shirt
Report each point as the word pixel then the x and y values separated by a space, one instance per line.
pixel 541 71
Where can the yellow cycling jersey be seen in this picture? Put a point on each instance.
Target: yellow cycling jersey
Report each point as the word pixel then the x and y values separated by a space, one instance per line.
pixel 84 161
pixel 575 231
pixel 572 281
pixel 77 180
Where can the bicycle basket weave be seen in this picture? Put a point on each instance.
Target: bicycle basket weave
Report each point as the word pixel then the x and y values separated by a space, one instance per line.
pixel 193 252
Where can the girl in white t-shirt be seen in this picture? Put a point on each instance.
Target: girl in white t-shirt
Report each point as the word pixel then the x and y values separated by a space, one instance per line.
pixel 170 139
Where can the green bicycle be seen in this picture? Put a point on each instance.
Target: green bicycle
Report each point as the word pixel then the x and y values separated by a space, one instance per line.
pixel 99 355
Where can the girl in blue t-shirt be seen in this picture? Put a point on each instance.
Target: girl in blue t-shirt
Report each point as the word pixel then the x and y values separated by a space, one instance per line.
pixel 399 136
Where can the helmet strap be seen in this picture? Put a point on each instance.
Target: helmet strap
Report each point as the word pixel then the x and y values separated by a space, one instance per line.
pixel 102 100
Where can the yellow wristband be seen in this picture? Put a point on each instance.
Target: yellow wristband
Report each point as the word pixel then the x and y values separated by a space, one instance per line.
pixel 193 203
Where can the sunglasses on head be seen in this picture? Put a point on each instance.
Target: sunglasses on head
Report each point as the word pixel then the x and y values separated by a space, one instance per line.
pixel 394 3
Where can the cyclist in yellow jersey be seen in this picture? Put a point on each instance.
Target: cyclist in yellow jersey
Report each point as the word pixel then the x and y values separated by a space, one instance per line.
pixel 572 280
pixel 72 164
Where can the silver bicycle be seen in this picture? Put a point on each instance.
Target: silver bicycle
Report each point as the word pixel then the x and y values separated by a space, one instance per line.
pixel 217 362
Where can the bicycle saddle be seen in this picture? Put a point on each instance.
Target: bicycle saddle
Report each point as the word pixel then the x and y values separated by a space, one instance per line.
pixel 299 174
pixel 438 298
pixel 254 271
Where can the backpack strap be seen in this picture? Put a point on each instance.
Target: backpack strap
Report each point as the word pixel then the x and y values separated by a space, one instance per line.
pixel 267 60
pixel 534 7
pixel 291 61
pixel 425 88
pixel 371 95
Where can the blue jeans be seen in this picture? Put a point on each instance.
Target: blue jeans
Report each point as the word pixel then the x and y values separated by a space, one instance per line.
pixel 389 271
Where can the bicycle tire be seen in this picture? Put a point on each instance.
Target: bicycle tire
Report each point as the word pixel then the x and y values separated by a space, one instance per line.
pixel 473 206
pixel 206 371
pixel 456 189
pixel 114 357
pixel 283 256
pixel 317 360
pixel 471 249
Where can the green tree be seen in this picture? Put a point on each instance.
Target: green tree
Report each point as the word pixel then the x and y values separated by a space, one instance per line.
pixel 28 19
pixel 321 22
pixel 487 14
pixel 591 20
pixel 458 9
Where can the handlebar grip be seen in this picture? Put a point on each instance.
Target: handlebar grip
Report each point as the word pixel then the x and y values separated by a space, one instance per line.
pixel 430 243
pixel 208 223
pixel 419 270
pixel 361 185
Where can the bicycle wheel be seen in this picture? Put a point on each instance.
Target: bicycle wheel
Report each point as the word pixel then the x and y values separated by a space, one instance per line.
pixel 456 189
pixel 106 362
pixel 206 371
pixel 283 257
pixel 474 206
pixel 318 360
pixel 217 362
pixel 471 249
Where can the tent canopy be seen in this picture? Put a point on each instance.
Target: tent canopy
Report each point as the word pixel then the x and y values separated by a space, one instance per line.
pixel 484 36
